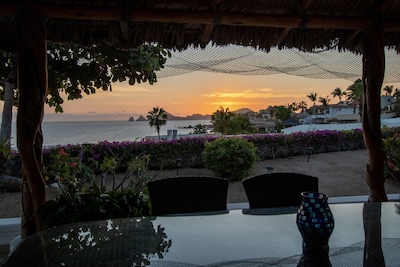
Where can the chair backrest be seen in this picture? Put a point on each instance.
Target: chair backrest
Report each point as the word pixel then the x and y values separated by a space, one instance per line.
pixel 188 194
pixel 278 189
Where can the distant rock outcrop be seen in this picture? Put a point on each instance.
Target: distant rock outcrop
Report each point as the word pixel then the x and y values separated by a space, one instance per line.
pixel 141 118
pixel 131 119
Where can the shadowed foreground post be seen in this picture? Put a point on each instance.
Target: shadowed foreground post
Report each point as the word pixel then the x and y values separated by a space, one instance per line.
pixel 373 73
pixel 32 83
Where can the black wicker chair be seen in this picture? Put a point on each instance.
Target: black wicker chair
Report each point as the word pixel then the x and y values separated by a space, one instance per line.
pixel 188 194
pixel 278 189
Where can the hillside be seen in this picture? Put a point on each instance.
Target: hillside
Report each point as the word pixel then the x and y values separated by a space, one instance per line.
pixel 198 116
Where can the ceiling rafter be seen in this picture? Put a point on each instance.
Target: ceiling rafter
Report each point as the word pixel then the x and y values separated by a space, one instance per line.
pixel 300 7
pixel 205 17
pixel 124 21
pixel 205 34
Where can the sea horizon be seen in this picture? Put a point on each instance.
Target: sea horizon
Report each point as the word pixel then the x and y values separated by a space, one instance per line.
pixel 79 132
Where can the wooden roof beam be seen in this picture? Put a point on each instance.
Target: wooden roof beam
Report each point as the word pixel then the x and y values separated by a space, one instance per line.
pixel 205 17
pixel 206 31
pixel 300 7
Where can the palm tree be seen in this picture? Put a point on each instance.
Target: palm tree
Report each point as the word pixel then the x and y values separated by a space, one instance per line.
pixel 157 118
pixel 396 94
pixel 239 124
pixel 313 97
pixel 281 113
pixel 355 93
pixel 293 107
pixel 324 101
pixel 220 119
pixel 338 93
pixel 302 105
pixel 388 89
pixel 199 129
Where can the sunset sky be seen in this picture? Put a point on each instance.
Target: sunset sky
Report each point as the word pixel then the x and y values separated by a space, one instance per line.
pixel 197 92
pixel 205 90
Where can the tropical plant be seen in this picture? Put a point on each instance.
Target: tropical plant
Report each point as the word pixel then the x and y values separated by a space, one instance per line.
pixel 293 107
pixel 392 149
pixel 396 94
pixel 355 93
pixel 5 155
pixel 313 97
pixel 338 93
pixel 231 158
pixel 199 129
pixel 62 167
pixel 302 106
pixel 157 118
pixel 388 89
pixel 239 124
pixel 76 70
pixel 220 119
pixel 324 100
pixel 281 113
pixel 85 200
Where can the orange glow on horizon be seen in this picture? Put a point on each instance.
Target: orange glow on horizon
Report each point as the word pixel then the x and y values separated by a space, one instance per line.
pixel 203 93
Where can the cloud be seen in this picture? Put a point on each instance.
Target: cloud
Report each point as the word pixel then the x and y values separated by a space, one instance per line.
pixel 265 89
pixel 124 88
pixel 247 93
pixel 233 103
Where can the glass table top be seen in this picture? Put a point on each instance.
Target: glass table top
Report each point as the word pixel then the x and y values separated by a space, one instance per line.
pixel 235 238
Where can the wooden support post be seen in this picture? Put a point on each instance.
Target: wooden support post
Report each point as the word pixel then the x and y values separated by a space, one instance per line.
pixel 32 84
pixel 373 73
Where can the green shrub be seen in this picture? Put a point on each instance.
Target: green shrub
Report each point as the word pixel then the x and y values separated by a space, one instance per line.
pixel 392 149
pixel 87 199
pixel 230 158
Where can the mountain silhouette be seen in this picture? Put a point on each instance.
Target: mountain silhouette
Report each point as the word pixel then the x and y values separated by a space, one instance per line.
pixel 196 116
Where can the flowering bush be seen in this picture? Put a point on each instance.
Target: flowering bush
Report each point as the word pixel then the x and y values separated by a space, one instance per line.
pixel 165 153
pixel 62 167
pixel 392 148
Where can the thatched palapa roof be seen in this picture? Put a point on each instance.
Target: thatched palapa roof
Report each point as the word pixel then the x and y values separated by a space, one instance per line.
pixel 178 24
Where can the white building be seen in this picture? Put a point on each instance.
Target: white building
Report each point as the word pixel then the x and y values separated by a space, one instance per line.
pixel 387 102
pixel 342 112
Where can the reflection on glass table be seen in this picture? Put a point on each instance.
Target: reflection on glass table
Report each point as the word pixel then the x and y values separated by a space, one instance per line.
pixel 230 239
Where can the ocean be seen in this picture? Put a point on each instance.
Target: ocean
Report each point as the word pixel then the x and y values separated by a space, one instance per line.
pixel 63 133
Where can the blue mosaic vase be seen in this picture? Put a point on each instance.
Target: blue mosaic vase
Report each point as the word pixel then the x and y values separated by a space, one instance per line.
pixel 315 222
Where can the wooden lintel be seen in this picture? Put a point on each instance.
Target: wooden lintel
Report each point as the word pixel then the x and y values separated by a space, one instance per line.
pixel 203 17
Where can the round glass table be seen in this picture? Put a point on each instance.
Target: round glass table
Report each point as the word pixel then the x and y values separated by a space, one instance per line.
pixel 364 235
